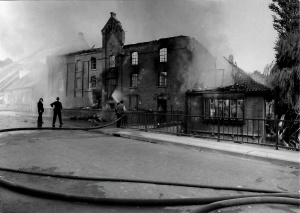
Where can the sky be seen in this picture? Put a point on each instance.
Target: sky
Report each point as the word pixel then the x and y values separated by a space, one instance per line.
pixel 243 28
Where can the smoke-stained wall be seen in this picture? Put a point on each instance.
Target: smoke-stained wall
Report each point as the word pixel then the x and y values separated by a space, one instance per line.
pixel 186 60
pixel 73 78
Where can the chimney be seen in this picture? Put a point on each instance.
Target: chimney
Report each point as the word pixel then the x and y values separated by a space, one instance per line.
pixel 112 14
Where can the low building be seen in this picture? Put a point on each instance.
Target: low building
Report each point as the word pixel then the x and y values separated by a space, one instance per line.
pixel 235 110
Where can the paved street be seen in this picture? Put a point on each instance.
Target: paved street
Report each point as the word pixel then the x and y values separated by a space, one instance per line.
pixel 91 154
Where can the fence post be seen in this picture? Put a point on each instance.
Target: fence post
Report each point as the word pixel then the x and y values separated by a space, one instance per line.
pixel 146 122
pixel 218 129
pixel 276 128
pixel 177 125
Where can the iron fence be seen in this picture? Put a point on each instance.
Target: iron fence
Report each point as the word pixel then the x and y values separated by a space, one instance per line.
pixel 267 132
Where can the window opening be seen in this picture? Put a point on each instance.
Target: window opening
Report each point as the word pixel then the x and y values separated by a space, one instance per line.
pixel 134 80
pixel 134 58
pixel 162 79
pixel 93 63
pixel 163 55
pixel 224 108
pixel 112 62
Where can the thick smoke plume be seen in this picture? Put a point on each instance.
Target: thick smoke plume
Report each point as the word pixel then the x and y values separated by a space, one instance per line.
pixel 56 22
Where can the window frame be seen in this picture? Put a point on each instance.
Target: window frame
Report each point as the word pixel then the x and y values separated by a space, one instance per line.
pixel 214 110
pixel 93 63
pixel 136 97
pixel 162 79
pixel 134 58
pixel 134 80
pixel 163 55
pixel 112 61
pixel 93 82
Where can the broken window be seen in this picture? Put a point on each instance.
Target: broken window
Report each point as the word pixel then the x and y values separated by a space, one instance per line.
pixel 162 79
pixel 134 58
pixel 112 62
pixel 225 108
pixel 93 83
pixel 133 102
pixel 163 55
pixel 93 63
pixel 134 80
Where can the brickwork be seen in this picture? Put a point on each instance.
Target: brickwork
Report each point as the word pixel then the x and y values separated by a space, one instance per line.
pixel 179 61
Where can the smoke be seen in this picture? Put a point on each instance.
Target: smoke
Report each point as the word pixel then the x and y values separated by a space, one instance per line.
pixel 117 95
pixel 42 28
pixel 202 20
pixel 32 24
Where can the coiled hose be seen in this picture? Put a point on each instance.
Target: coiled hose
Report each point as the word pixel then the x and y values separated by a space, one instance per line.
pixel 211 203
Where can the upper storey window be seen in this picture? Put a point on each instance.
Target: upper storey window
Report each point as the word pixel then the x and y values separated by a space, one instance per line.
pixel 112 61
pixel 163 55
pixel 134 58
pixel 162 81
pixel 93 63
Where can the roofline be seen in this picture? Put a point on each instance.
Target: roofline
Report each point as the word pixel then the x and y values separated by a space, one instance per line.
pixel 84 52
pixel 146 42
pixel 99 49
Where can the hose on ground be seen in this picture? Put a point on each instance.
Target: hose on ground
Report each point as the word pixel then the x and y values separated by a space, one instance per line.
pixel 245 201
pixel 61 128
pixel 128 202
pixel 120 180
pixel 214 203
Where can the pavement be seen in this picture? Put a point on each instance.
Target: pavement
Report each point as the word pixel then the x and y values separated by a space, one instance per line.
pixel 248 151
pixel 242 150
pixel 64 156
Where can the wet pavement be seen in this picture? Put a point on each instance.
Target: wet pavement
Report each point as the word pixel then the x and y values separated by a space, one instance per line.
pixel 91 154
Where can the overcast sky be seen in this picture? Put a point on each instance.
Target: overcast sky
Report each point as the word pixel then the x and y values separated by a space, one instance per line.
pixel 239 27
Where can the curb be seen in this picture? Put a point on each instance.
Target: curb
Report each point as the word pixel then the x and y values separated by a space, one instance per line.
pixel 248 156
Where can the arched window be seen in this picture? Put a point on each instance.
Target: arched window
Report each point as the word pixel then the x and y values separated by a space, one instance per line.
pixel 162 79
pixel 134 58
pixel 163 55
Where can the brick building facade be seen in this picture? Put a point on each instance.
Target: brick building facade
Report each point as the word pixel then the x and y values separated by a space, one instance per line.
pixel 149 75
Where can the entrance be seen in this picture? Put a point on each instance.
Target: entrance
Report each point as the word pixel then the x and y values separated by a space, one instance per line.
pixel 161 109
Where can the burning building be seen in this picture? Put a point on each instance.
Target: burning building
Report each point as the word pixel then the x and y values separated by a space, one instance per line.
pixel 23 82
pixel 236 107
pixel 148 75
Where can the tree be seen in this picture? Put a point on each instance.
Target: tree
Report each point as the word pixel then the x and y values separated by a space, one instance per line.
pixel 287 19
pixel 285 74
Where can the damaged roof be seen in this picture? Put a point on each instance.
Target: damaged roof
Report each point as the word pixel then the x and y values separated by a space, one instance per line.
pixel 242 83
pixel 92 50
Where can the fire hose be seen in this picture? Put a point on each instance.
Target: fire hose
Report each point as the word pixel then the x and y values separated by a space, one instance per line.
pixel 211 203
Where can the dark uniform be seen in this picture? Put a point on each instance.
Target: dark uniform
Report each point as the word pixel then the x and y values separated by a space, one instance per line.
pixel 40 107
pixel 120 109
pixel 57 111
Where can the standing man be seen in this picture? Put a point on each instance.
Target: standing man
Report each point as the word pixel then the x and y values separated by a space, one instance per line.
pixel 40 107
pixel 120 109
pixel 57 111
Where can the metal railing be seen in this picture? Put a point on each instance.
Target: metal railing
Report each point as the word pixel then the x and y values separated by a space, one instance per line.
pixel 275 133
